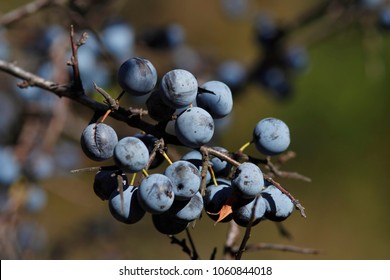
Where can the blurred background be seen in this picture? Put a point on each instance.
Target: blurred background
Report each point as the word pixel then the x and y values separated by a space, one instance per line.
pixel 320 66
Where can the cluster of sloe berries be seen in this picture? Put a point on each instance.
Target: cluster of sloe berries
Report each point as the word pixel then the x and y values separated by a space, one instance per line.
pixel 280 60
pixel 174 197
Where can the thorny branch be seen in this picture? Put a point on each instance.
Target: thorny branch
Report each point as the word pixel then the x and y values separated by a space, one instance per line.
pixel 68 91
pixel 233 231
pixel 280 247
pixel 133 117
pixel 247 234
pixel 274 169
pixel 223 156
pixel 231 248
pixel 23 11
pixel 182 243
pixel 74 62
pixel 121 114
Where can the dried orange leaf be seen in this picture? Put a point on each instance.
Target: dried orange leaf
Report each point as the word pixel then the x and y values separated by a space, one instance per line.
pixel 225 211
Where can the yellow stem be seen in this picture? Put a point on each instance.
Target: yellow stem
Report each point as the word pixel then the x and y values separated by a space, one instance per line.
pixel 166 157
pixel 145 172
pixel 133 179
pixel 246 145
pixel 213 176
pixel 106 115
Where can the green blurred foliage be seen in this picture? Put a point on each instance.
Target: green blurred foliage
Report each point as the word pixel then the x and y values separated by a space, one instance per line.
pixel 339 121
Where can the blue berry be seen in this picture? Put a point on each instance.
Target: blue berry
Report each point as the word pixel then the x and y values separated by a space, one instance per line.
pixel 296 58
pixel 137 76
pixel 268 33
pixel 175 35
pixel 106 182
pixel 278 205
pixel 4 45
pixel 371 4
pixel 99 75
pixel 242 215
pixel 271 136
pixel 384 17
pixel 10 112
pixel 179 88
pixel 233 74
pixel 216 197
pixel 235 8
pixel 166 37
pixel 218 102
pixel 220 167
pixel 185 177
pixel 131 155
pixel 275 79
pixel 195 157
pixel 156 193
pixel 30 236
pixel 194 127
pixel 248 180
pixel 119 39
pixel 10 168
pixel 98 141
pixel 168 224
pixel 150 141
pixel 40 98
pixel 88 66
pixel 38 166
pixel 186 57
pixel 127 210
pixel 66 156
pixel 187 210
pixel 157 108
pixel 36 199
